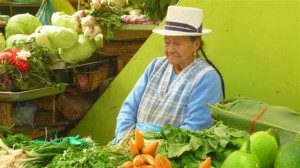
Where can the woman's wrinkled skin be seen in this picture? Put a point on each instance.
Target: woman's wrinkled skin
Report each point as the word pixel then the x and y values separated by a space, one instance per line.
pixel 180 51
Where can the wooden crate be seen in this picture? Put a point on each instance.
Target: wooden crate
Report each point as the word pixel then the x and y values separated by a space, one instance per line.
pixel 93 78
pixel 6 114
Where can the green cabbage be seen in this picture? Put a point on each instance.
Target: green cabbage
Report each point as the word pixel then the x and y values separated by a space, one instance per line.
pixel 21 24
pixel 41 39
pixel 15 37
pixel 2 42
pixel 63 20
pixel 59 37
pixel 80 52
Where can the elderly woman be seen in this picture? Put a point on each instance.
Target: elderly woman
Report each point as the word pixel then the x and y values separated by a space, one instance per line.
pixel 175 88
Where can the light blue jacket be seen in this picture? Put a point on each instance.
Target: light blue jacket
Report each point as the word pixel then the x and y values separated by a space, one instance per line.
pixel 192 113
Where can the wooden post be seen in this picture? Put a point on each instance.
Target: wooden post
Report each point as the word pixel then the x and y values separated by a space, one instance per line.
pixel 6 114
pixel 53 110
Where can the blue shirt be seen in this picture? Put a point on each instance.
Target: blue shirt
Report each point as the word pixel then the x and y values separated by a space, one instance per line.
pixel 207 89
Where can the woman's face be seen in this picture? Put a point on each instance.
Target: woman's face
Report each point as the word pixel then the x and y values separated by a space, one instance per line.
pixel 180 50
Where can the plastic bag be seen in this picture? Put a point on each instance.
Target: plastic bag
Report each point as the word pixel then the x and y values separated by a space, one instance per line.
pixel 45 12
pixel 23 113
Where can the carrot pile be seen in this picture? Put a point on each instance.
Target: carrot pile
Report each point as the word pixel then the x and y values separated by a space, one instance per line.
pixel 144 156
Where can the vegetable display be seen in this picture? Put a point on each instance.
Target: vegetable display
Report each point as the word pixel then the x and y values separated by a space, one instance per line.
pixel 172 147
pixel 217 147
pixel 26 65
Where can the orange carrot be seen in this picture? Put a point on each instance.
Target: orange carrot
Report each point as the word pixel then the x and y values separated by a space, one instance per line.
pixel 149 158
pixel 139 140
pixel 206 163
pixel 151 148
pixel 147 166
pixel 133 149
pixel 139 160
pixel 162 162
pixel 128 164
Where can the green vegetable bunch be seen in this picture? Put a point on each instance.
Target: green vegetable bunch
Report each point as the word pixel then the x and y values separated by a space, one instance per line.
pixel 109 18
pixel 25 66
pixel 93 156
pixel 17 141
pixel 19 151
pixel 186 148
pixel 153 9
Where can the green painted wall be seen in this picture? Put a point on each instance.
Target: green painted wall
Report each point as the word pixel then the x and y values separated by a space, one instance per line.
pixel 254 43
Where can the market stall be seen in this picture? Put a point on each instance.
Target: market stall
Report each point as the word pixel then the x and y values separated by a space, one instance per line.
pixel 258 121
pixel 84 68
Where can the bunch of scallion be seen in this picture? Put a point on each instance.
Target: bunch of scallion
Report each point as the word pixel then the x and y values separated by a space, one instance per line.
pixel 32 154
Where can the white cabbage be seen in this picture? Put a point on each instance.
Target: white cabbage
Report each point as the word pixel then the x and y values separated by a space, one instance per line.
pixel 59 37
pixel 41 39
pixel 79 52
pixel 63 20
pixel 21 24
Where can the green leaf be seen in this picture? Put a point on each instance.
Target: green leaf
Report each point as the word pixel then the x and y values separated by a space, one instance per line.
pixel 188 160
pixel 240 112
pixel 195 143
pixel 175 150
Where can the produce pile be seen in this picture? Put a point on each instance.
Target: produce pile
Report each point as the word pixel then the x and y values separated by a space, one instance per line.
pixel 218 146
pixel 139 11
pixel 68 37
pixel 28 51
pixel 25 66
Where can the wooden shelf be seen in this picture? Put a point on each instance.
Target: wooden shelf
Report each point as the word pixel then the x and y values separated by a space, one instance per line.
pixel 137 27
pixel 13 8
pixel 36 133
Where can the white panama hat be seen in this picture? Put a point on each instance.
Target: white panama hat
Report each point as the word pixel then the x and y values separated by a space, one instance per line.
pixel 182 21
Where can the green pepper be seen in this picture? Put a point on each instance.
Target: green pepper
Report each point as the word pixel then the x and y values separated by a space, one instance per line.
pixel 242 159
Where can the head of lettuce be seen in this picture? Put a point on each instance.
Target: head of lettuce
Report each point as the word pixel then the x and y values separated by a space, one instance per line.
pixel 21 24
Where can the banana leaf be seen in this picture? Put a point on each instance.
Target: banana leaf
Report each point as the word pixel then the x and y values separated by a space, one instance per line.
pixel 240 112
